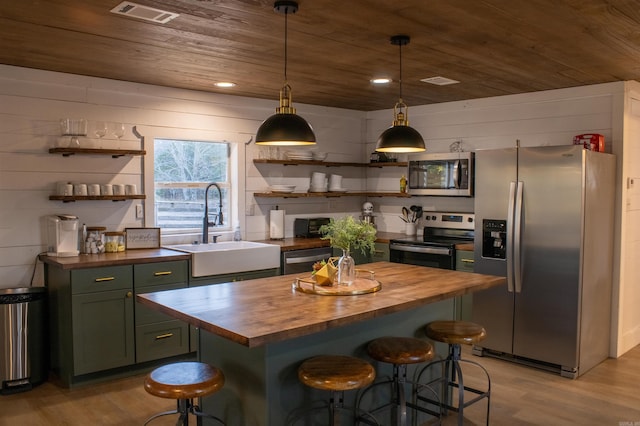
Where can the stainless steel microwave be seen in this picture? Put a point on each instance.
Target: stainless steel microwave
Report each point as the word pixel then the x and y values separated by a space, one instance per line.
pixel 444 174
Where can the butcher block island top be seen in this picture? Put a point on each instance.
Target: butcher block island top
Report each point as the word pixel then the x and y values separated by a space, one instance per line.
pixel 258 312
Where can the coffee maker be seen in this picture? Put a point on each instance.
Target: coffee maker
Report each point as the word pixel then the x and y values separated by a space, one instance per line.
pixel 62 235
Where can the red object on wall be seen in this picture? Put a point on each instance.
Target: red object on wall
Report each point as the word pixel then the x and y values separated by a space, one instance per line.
pixel 592 141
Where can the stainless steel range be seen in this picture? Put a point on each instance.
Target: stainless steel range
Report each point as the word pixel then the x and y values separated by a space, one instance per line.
pixel 437 246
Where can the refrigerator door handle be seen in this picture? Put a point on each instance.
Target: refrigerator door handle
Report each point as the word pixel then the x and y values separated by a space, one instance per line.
pixel 517 241
pixel 510 230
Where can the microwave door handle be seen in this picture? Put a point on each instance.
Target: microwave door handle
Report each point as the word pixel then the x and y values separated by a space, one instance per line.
pixel 456 174
pixel 510 230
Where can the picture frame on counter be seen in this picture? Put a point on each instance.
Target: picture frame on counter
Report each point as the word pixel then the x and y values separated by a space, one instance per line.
pixel 142 238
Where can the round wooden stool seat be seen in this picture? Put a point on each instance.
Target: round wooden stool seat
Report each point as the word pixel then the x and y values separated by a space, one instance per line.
pixel 184 380
pixel 455 332
pixel 400 350
pixel 336 372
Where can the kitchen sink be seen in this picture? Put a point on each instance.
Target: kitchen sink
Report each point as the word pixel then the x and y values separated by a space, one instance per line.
pixel 229 257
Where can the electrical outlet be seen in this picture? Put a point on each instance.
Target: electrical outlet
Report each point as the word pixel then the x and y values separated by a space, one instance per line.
pixel 139 211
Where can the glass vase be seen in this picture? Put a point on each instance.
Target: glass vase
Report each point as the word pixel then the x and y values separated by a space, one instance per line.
pixel 346 269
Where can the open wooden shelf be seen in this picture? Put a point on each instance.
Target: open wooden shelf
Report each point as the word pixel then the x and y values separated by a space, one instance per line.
pixel 115 153
pixel 73 198
pixel 329 194
pixel 329 163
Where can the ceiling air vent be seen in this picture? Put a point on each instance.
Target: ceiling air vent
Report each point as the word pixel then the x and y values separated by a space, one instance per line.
pixel 439 81
pixel 147 13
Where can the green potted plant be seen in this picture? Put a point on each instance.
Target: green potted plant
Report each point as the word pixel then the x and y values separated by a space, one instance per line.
pixel 348 234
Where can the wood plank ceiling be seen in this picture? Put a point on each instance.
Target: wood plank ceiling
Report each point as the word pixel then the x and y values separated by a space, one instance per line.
pixel 493 47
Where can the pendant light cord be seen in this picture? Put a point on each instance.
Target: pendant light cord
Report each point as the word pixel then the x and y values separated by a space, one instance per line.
pixel 400 46
pixel 286 14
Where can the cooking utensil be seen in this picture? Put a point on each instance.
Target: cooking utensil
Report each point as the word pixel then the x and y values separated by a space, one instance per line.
pixel 414 213
pixel 405 214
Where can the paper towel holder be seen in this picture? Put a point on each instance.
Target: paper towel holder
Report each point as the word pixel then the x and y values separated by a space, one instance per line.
pixel 276 224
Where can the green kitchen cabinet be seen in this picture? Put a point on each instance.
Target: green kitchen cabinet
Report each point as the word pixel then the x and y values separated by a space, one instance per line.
pixel 158 335
pixel 97 329
pixel 101 320
pixel 380 253
pixel 464 304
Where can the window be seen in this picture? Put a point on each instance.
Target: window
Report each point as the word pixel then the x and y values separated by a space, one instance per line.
pixel 182 171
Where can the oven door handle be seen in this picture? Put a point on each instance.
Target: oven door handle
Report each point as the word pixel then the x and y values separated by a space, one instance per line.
pixel 420 249
pixel 304 259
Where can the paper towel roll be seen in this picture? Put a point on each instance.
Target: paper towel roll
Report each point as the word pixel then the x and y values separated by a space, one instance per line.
pixel 276 224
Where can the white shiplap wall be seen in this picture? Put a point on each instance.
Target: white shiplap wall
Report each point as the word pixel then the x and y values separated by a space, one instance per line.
pixel 32 102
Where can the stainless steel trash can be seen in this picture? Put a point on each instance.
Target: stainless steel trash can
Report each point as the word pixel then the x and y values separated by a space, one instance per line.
pixel 23 346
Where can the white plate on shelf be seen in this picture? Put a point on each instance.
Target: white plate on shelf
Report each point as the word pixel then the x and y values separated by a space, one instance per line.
pixel 282 188
pixel 337 189
pixel 314 189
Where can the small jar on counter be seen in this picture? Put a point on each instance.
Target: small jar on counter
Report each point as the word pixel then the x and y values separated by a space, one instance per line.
pixel 113 242
pixel 94 243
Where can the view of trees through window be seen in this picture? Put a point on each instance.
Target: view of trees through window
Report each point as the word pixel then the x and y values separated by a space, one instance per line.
pixel 182 171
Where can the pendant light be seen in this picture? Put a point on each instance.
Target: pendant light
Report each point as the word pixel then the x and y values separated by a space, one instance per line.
pixel 400 137
pixel 285 127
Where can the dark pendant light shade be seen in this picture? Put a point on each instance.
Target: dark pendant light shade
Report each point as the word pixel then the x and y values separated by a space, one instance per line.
pixel 285 127
pixel 400 137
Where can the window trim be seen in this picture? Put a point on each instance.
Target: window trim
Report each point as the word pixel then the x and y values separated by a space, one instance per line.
pixel 237 172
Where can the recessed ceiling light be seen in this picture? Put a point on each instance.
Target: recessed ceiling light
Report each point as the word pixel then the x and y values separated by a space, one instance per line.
pixel 380 80
pixel 224 84
pixel 439 81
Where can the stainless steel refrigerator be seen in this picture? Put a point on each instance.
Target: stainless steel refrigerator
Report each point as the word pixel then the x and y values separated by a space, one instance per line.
pixel 544 219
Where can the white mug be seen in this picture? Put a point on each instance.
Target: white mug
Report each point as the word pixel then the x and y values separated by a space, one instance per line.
pixel 80 189
pixel 65 189
pixel 118 189
pixel 130 190
pixel 106 189
pixel 94 189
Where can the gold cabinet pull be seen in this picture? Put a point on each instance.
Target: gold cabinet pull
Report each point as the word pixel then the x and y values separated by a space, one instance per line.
pixel 466 260
pixel 129 294
pixel 164 336
pixel 157 274
pixel 99 280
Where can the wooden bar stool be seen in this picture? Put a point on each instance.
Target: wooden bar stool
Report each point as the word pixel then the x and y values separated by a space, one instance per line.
pixel 454 333
pixel 184 381
pixel 398 351
pixel 335 373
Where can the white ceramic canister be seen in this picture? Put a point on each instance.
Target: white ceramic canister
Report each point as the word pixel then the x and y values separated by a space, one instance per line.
pixel 118 189
pixel 93 189
pixel 64 188
pixel 130 190
pixel 106 189
pixel 80 189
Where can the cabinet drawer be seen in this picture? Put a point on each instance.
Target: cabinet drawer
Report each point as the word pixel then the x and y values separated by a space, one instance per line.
pixel 464 260
pixel 161 273
pixel 160 340
pixel 101 279
pixel 146 315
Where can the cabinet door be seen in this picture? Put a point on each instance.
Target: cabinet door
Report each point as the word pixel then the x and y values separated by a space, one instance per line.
pixel 464 304
pixel 381 252
pixel 102 330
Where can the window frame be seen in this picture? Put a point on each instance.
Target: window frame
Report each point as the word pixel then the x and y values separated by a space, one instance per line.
pixel 236 170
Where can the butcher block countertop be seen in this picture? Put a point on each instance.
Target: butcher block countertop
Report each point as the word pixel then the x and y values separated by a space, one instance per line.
pixel 127 257
pixel 257 312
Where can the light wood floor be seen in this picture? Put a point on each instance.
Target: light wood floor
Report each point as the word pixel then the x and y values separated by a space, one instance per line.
pixel 608 395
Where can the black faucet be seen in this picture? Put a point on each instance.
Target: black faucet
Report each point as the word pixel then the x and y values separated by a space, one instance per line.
pixel 205 220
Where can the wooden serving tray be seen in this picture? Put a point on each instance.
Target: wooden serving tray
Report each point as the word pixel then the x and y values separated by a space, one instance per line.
pixel 365 283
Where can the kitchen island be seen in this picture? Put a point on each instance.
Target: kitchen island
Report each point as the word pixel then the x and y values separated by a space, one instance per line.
pixel 259 331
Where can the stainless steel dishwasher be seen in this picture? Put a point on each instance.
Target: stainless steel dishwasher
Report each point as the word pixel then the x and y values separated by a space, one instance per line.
pixel 300 261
